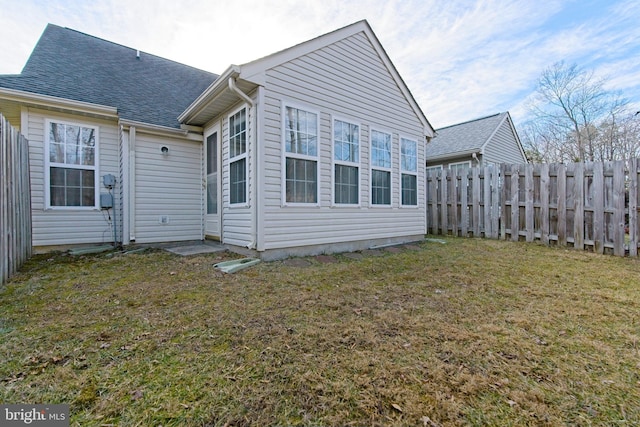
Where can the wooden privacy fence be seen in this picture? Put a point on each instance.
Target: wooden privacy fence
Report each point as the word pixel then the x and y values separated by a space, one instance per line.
pixel 15 201
pixel 591 206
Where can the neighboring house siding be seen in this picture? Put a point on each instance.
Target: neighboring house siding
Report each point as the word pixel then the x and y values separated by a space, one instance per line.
pixel 345 80
pixel 237 223
pixel 503 147
pixel 167 185
pixel 69 226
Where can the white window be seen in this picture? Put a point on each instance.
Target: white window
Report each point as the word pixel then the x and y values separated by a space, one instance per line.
pixel 238 157
pixel 459 166
pixel 409 171
pixel 380 168
pixel 434 168
pixel 72 175
pixel 300 155
pixel 346 158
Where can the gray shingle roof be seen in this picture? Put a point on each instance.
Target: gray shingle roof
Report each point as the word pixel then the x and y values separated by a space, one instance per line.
pixel 463 137
pixel 69 64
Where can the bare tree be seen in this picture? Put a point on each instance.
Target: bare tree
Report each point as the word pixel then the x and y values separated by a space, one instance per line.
pixel 575 118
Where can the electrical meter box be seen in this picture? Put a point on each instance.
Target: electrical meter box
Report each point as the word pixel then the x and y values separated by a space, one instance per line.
pixel 109 181
pixel 106 201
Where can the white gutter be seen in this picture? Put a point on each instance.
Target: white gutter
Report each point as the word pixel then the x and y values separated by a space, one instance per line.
pixel 132 183
pixel 241 94
pixel 454 155
pixel 159 129
pixel 260 191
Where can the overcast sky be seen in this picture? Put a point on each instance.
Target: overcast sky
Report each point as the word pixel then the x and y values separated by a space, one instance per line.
pixel 461 59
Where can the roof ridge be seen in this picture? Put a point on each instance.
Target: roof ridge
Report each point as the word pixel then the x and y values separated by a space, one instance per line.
pixel 128 47
pixel 470 121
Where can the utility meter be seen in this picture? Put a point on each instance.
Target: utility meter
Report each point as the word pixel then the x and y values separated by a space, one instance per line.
pixel 109 181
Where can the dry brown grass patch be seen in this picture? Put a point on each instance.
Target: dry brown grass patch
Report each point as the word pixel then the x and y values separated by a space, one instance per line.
pixel 472 332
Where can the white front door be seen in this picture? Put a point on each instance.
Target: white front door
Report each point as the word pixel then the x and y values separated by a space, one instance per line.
pixel 213 209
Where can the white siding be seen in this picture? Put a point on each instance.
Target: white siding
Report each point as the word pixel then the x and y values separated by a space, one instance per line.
pixel 68 226
pixel 503 147
pixel 237 221
pixel 167 185
pixel 346 79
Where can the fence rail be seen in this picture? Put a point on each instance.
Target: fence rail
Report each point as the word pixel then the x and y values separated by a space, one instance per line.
pixel 590 206
pixel 15 201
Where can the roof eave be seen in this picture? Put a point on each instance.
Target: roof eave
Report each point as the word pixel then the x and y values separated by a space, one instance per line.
pixel 48 101
pixel 448 156
pixel 209 94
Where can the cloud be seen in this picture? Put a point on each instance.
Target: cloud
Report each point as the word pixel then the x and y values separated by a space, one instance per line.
pixel 461 59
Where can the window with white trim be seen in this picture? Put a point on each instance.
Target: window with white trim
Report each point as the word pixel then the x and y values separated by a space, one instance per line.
pixel 238 157
pixel 459 166
pixel 346 158
pixel 300 155
pixel 409 172
pixel 380 168
pixel 71 165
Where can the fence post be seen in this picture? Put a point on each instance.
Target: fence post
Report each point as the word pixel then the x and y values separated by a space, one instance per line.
pixel 544 203
pixel 437 182
pixel 476 201
pixel 464 202
pixel 633 207
pixel 619 208
pixel 515 202
pixel 488 202
pixel 528 202
pixel 562 204
pixel 578 206
pixel 15 200
pixel 495 202
pixel 4 258
pixel 598 208
pixel 444 211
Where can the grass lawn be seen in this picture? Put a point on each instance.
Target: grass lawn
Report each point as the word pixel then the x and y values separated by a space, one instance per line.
pixel 470 332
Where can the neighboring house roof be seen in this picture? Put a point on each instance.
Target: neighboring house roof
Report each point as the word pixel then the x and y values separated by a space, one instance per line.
pixel 143 87
pixel 468 137
pixel 250 75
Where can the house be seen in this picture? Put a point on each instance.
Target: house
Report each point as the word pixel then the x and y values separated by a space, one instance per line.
pixel 311 149
pixel 484 141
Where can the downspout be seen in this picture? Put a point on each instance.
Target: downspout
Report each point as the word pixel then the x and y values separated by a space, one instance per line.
pixel 474 156
pixel 241 94
pixel 132 183
pixel 254 225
